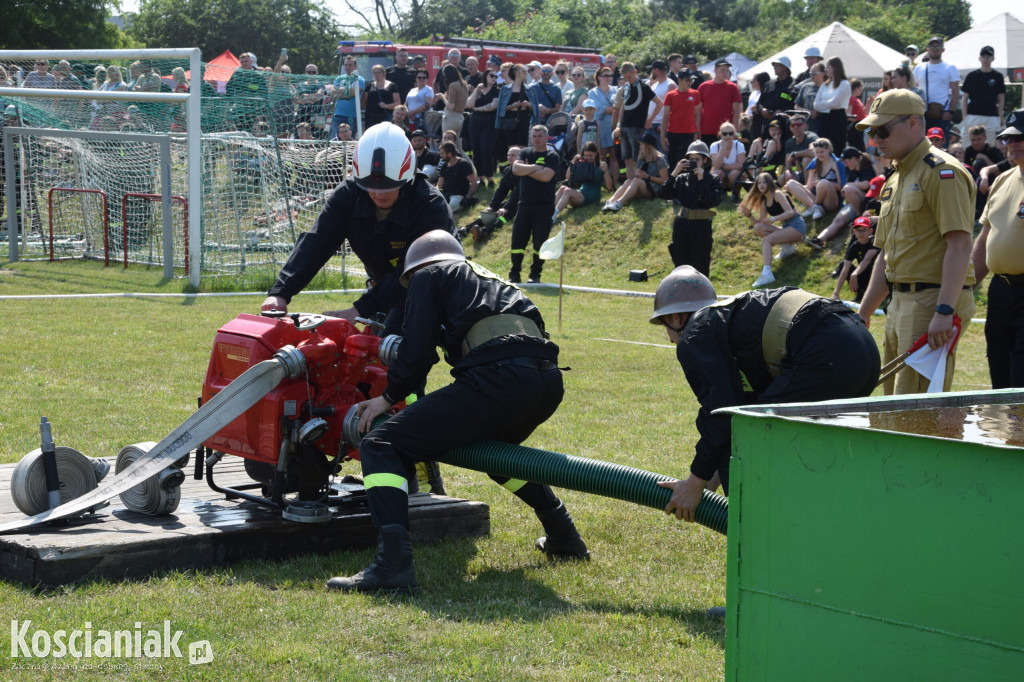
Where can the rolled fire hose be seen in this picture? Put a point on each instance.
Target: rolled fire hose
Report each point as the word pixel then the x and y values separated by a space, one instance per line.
pixel 78 475
pixel 156 495
pixel 237 397
pixel 567 471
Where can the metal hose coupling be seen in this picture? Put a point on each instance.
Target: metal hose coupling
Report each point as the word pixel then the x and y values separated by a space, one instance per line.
pixel 388 350
pixel 293 360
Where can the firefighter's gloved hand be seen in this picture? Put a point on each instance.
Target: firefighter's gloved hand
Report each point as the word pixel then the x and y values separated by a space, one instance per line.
pixel 686 496
pixel 274 303
pixel 369 410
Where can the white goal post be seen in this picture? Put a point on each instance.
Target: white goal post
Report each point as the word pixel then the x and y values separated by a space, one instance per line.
pixel 190 100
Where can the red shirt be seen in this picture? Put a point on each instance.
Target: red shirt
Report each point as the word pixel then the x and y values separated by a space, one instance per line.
pixel 717 99
pixel 857 109
pixel 683 104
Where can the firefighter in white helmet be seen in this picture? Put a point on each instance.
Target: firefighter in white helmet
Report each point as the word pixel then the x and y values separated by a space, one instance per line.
pixel 763 346
pixel 381 209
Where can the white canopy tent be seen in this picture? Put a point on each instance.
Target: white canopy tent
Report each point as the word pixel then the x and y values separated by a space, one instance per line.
pixel 863 57
pixel 1004 32
pixel 739 63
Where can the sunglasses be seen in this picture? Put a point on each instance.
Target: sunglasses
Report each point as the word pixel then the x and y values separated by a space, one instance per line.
pixel 797 124
pixel 421 78
pixel 560 73
pixel 605 75
pixel 885 131
pixel 727 134
pixel 577 75
pixel 1007 139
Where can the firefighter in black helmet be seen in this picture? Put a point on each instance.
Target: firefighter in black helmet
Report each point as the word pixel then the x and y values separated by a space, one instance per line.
pixel 764 346
pixel 506 384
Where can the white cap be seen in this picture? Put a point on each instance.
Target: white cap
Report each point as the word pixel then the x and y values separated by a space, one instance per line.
pixel 589 104
pixel 812 52
pixel 534 63
pixel 785 61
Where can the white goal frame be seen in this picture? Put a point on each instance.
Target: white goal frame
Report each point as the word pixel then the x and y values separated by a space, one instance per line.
pixel 192 112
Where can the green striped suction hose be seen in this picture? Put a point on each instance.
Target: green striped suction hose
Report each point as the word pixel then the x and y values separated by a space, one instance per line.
pixel 570 472
pixel 582 474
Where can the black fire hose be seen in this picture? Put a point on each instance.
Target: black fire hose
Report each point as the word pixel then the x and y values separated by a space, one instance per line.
pixel 570 472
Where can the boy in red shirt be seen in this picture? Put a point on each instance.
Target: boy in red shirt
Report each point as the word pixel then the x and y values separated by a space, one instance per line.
pixel 682 113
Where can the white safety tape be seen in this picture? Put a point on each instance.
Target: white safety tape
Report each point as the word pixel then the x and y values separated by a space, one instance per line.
pixel 218 412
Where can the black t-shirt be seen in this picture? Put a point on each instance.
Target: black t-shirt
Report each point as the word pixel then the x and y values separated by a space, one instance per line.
pixel 375 98
pixel 533 191
pixel 856 251
pixel 982 90
pixel 427 158
pixel 636 100
pixel 456 177
pixel 403 78
pixel 971 154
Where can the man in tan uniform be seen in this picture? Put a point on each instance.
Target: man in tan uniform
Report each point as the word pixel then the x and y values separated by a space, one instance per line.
pixel 924 237
pixel 1000 249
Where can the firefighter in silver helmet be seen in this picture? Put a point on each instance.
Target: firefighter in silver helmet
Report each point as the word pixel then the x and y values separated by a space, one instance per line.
pixel 764 346
pixel 507 383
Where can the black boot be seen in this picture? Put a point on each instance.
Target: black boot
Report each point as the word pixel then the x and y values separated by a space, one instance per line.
pixel 517 267
pixel 429 477
pixel 391 570
pixel 536 268
pixel 563 541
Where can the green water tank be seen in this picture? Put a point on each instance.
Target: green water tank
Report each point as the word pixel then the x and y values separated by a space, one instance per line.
pixel 880 539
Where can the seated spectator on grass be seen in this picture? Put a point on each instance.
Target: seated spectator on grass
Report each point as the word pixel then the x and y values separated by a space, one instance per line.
pixel 770 205
pixel 825 179
pixel 427 160
pixel 799 152
pixel 767 155
pixel 860 171
pixel 651 174
pixel 859 260
pixel 586 176
pixel 980 153
pixel 727 156
pixel 457 177
pixel 847 214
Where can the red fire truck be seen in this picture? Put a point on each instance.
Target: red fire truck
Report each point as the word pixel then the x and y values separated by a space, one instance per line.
pixel 370 52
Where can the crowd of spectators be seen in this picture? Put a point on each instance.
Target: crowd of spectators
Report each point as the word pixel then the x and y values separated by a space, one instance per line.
pixel 792 146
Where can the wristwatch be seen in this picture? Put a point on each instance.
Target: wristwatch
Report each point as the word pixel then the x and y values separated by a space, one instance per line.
pixel 943 309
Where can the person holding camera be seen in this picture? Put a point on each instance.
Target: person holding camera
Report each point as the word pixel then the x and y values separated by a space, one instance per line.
pixel 586 176
pixel 698 190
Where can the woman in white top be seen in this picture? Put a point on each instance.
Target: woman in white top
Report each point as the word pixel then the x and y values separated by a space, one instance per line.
pixel 831 101
pixel 420 98
pixel 727 155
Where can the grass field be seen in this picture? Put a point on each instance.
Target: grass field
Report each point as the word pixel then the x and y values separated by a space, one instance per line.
pixel 109 372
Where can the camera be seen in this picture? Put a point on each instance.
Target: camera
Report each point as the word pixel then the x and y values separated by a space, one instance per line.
pixel 691 165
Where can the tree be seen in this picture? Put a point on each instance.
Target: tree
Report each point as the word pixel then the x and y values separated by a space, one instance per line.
pixel 59 25
pixel 305 27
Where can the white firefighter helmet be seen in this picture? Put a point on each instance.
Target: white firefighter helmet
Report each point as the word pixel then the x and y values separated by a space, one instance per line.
pixel 384 158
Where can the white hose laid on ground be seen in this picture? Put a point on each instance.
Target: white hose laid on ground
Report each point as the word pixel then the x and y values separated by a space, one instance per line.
pixel 218 412
pixel 157 495
pixel 78 475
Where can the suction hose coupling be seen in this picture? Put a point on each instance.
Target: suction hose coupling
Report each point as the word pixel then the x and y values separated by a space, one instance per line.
pixel 388 350
pixel 293 360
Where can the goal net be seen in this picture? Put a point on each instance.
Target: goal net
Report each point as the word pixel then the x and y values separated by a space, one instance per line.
pixel 120 171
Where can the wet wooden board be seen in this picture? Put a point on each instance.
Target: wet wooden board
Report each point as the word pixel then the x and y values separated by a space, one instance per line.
pixel 206 530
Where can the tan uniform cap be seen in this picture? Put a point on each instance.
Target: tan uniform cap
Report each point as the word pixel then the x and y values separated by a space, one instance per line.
pixel 889 105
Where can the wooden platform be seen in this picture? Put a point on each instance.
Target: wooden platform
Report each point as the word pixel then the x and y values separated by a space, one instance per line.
pixel 206 530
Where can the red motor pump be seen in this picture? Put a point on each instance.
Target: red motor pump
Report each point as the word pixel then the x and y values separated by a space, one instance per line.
pixel 292 438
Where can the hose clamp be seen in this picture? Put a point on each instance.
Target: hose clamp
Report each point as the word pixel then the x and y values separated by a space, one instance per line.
pixel 293 360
